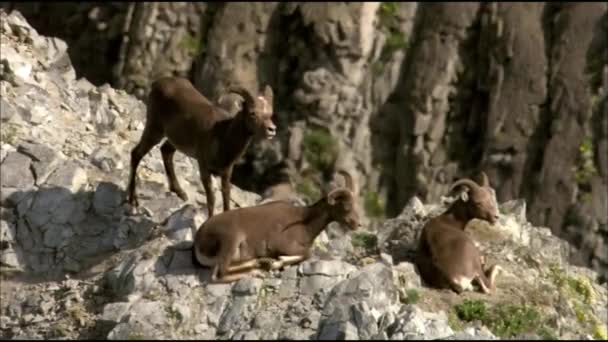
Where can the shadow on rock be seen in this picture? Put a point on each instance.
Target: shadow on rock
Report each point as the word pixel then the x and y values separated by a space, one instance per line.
pixel 53 231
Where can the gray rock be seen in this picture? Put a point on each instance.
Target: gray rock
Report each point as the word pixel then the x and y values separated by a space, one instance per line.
pixel 407 276
pixel 8 111
pixel 181 260
pixel 329 268
pixel 7 231
pixel 413 323
pixel 57 236
pixel 364 320
pixel 322 274
pixel 237 315
pixel 151 312
pixel 182 225
pixel 114 312
pixel 107 198
pixel 69 175
pixel 247 286
pixel 133 329
pixel 16 171
pixel 267 324
pixel 338 331
pixel 373 283
pixel 289 282
pixel 515 208
pixel 48 203
pixel 44 159
pixel 120 280
pixel 10 258
pixel 107 158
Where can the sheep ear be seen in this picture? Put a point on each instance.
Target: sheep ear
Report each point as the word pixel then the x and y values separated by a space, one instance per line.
pixel 268 94
pixel 464 196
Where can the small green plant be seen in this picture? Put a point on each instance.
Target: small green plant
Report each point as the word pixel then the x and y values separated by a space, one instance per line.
pixel 511 320
pixel 412 296
pixel 192 44
pixel 8 134
pixel 471 310
pixel 320 149
pixel 373 204
pixel 599 332
pixel 546 334
pixel 506 320
pixel 575 286
pixel 585 168
pixel 454 322
pixel 365 240
pixel 136 335
pixel 308 188
pixel 396 40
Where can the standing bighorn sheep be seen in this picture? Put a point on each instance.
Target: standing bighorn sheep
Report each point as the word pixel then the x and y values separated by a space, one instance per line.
pixel 447 256
pixel 201 130
pixel 271 235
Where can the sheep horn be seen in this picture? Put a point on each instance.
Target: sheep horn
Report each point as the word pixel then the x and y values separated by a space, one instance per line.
pixel 471 184
pixel 348 180
pixel 246 94
pixel 485 182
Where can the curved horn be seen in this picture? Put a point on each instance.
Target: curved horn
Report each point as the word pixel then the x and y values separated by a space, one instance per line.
pixel 246 94
pixel 471 184
pixel 485 182
pixel 348 179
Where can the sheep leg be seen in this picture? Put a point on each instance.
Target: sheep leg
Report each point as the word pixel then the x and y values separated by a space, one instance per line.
pixel 221 269
pixel 284 260
pixel 226 175
pixel 229 278
pixel 206 180
pixel 167 151
pixel 151 136
pixel 491 274
pixel 243 266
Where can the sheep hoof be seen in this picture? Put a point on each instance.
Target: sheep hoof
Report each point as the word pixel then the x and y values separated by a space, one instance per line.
pixel 257 274
pixel 133 202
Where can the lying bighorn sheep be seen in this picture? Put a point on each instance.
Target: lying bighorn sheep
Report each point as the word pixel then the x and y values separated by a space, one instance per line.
pixel 201 130
pixel 447 256
pixel 271 235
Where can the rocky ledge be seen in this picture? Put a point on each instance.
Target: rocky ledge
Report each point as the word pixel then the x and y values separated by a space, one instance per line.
pixel 76 264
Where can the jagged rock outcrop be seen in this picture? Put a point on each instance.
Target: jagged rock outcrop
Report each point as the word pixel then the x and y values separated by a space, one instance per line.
pixel 410 95
pixel 75 263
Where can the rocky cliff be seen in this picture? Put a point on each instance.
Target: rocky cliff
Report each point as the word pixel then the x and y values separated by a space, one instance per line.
pixel 76 264
pixel 409 95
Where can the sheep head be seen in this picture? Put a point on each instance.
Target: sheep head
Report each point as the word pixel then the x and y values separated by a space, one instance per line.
pixel 478 198
pixel 341 200
pixel 258 111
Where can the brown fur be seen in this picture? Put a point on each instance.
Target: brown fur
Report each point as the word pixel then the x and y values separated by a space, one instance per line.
pixel 270 235
pixel 447 256
pixel 196 127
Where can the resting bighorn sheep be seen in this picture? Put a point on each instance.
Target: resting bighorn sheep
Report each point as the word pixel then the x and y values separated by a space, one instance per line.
pixel 201 130
pixel 447 256
pixel 268 236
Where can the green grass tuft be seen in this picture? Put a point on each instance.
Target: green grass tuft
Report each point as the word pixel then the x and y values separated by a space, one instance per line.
pixel 364 240
pixel 320 149
pixel 374 205
pixel 506 320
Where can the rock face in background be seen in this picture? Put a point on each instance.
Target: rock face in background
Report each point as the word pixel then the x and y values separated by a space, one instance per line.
pixel 410 95
pixel 75 263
